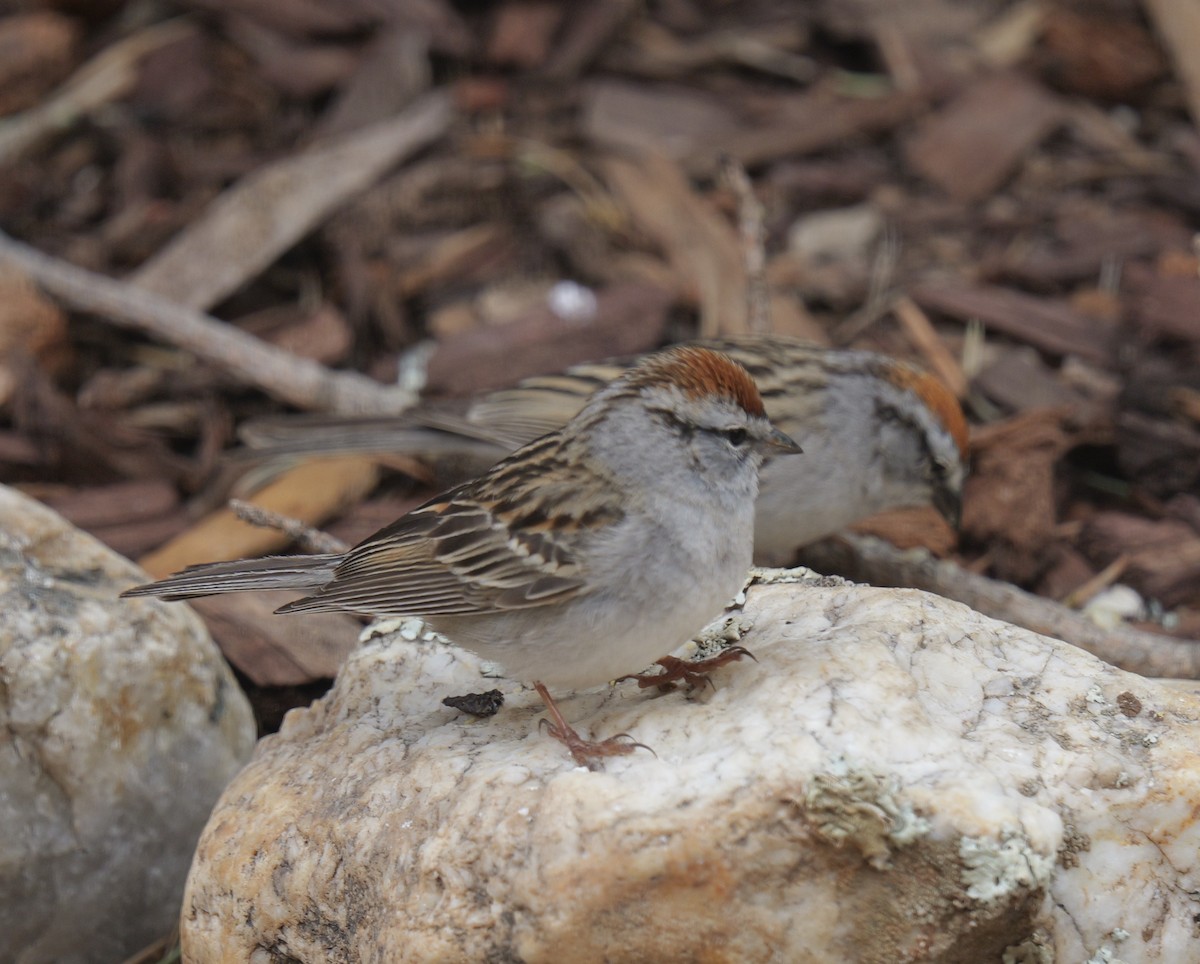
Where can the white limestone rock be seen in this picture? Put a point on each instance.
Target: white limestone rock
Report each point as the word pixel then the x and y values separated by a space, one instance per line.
pixel 897 778
pixel 119 726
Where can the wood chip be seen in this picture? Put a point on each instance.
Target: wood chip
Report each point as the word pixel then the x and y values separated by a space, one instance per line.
pixel 522 31
pixel 32 327
pixel 1162 557
pixel 1042 322
pixel 36 52
pixel 1177 23
pixel 1019 380
pixel 677 122
pixel 925 339
pixel 278 650
pixel 700 244
pixel 311 492
pixel 105 78
pixel 1009 499
pixel 1168 306
pixel 91 507
pixel 392 72
pixel 971 146
pixel 630 318
pixel 268 211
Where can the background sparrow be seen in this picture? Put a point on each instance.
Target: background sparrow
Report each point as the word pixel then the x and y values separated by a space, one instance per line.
pixel 590 552
pixel 877 434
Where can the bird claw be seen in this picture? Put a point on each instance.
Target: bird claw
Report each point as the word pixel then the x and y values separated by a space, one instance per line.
pixel 694 674
pixel 591 753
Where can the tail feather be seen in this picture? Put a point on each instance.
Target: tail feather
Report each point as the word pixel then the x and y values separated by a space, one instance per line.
pixel 271 572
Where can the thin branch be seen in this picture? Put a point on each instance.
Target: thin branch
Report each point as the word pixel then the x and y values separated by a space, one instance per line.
pixel 310 539
pixel 753 234
pixel 876 562
pixel 297 381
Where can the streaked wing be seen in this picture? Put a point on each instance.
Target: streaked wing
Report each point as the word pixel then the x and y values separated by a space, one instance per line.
pixel 541 404
pixel 459 555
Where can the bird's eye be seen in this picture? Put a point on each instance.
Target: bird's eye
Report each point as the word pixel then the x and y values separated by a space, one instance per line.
pixel 736 436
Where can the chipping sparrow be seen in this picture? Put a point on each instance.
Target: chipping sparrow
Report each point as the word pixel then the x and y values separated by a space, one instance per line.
pixel 877 434
pixel 586 554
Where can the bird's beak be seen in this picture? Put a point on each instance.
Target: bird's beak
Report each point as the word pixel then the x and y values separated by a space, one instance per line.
pixel 781 444
pixel 948 501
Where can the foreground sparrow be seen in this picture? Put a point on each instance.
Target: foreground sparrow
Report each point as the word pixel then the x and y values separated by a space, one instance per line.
pixel 588 553
pixel 877 434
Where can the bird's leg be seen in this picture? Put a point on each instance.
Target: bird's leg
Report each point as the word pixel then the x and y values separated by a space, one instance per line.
pixel 693 673
pixel 588 753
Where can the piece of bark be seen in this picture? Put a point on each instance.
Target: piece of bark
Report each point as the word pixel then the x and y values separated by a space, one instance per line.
pixel 296 380
pixel 36 52
pixel 268 211
pixel 1008 501
pixel 1162 456
pixel 1168 306
pixel 1177 23
pixel 522 31
pixel 920 527
pixel 630 318
pixel 1019 380
pixel 975 143
pixel 273 649
pixel 300 18
pixel 392 72
pixel 310 492
pixel 1086 237
pixel 653 50
pixel 137 537
pixel 678 122
pixel 321 334
pixel 1163 555
pixel 292 66
pixel 92 507
pixel 1096 55
pixel 810 122
pixel 32 329
pixel 1068 570
pixel 591 26
pixel 1042 322
pixel 700 244
pixel 107 77
pixel 457 258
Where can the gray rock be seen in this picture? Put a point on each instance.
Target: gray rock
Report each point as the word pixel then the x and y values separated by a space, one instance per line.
pixel 119 726
pixel 897 778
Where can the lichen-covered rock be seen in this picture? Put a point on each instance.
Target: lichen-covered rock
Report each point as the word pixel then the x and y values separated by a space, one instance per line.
pixel 119 726
pixel 896 779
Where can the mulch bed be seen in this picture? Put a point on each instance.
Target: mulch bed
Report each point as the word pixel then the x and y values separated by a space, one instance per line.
pixel 1006 192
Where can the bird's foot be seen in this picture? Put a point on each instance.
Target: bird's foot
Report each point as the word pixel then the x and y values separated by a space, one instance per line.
pixel 694 673
pixel 587 753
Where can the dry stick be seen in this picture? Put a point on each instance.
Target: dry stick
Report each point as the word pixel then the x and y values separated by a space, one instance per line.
pixel 108 76
pixel 875 561
pixel 287 377
pixel 310 539
pixel 750 226
pixel 924 336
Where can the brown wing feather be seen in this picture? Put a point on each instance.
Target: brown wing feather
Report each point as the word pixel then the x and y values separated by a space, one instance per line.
pixel 457 554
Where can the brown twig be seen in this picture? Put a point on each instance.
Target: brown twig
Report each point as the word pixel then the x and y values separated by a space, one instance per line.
pixel 310 539
pixel 1078 597
pixel 880 564
pixel 108 76
pixel 285 376
pixel 753 234
pixel 924 336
